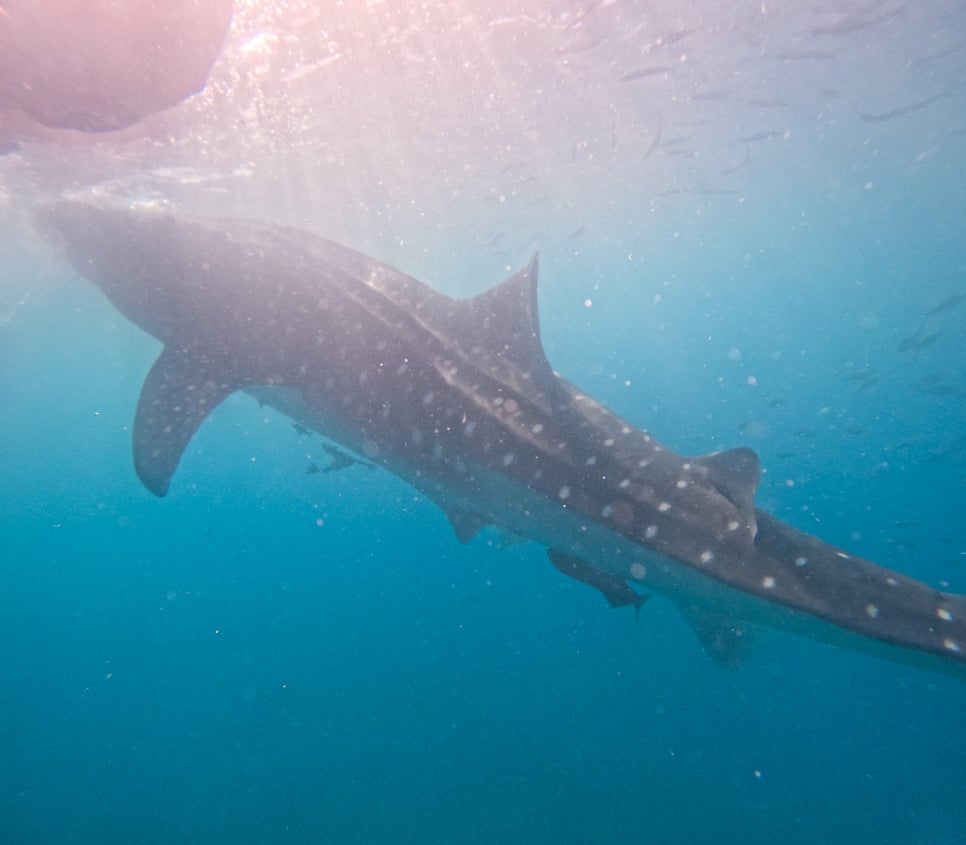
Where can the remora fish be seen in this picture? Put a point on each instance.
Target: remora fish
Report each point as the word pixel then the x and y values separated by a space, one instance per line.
pixel 457 397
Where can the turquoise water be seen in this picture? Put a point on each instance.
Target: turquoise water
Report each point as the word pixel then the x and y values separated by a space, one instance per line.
pixel 267 655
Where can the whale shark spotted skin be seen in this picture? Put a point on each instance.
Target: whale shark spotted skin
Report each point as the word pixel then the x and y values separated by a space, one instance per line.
pixel 457 397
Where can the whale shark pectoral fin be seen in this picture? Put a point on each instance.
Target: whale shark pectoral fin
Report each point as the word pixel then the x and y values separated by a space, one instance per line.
pixel 734 474
pixel 726 640
pixel 614 588
pixel 182 388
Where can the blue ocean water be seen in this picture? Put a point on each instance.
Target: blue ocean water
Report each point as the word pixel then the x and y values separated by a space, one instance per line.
pixel 267 655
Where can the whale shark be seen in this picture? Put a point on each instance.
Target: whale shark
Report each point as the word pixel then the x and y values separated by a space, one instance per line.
pixel 457 397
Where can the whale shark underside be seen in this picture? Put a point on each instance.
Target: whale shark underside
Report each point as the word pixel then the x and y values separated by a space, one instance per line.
pixel 457 397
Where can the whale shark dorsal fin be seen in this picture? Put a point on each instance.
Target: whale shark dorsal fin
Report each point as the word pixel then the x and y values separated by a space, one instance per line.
pixel 182 388
pixel 734 474
pixel 501 329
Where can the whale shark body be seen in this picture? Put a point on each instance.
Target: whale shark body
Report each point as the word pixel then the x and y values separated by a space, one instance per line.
pixel 457 397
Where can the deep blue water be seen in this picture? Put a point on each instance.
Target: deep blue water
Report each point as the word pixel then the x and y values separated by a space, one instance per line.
pixel 267 655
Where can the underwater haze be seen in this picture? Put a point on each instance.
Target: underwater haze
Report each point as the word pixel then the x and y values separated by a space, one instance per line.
pixel 751 224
